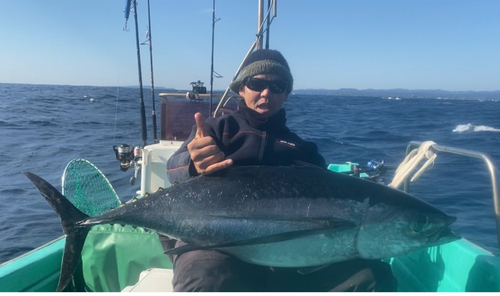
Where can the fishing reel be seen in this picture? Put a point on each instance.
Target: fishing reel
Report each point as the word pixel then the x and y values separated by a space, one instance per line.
pixel 126 155
pixel 129 157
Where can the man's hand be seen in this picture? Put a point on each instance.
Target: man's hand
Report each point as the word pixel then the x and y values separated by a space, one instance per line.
pixel 205 154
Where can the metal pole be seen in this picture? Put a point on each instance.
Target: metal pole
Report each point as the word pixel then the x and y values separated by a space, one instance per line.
pixel 268 26
pixel 475 154
pixel 260 20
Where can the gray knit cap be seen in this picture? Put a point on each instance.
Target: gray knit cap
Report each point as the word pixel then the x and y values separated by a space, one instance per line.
pixel 264 61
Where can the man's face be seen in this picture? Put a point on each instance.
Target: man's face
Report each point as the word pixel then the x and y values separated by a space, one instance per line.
pixel 266 101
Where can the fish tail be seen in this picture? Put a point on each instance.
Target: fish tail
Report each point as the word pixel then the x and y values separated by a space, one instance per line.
pixel 75 234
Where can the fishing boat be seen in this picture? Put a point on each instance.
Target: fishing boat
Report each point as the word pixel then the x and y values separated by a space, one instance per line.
pixel 123 258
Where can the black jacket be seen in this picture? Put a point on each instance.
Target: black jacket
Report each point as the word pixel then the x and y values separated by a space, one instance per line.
pixel 248 139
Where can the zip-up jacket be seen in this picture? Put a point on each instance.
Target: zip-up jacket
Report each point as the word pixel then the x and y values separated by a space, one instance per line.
pixel 248 139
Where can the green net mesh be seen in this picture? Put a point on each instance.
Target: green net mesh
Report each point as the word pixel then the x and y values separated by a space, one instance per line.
pixel 87 188
pixel 113 255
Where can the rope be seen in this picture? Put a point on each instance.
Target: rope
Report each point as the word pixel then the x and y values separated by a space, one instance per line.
pixel 411 162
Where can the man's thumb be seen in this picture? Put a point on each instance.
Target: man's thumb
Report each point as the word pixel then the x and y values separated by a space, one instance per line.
pixel 200 125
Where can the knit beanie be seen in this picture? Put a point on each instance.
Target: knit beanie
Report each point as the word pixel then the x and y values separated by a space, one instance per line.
pixel 264 61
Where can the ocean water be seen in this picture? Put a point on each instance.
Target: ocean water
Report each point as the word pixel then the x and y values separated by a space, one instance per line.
pixel 43 127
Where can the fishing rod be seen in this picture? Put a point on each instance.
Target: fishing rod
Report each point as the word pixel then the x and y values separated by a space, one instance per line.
pixel 124 153
pixel 127 13
pixel 150 42
pixel 143 110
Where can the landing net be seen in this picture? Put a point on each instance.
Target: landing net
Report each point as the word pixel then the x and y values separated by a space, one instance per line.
pixel 87 188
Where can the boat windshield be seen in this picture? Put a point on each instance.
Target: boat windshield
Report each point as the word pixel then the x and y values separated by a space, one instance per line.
pixel 177 116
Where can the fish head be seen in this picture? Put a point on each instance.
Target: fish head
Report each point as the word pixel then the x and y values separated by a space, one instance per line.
pixel 389 231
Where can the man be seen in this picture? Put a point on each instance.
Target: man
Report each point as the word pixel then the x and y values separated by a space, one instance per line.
pixel 257 135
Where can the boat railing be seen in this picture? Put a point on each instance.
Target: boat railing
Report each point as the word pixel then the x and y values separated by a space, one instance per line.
pixel 468 153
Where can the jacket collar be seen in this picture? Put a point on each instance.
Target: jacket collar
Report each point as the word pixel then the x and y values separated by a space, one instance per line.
pixel 275 123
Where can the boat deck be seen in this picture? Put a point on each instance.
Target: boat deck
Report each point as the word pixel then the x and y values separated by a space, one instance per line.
pixel 153 280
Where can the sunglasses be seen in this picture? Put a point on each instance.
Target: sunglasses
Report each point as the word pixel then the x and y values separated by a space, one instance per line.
pixel 275 86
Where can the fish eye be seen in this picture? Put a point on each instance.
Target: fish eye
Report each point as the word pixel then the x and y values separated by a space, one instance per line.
pixel 420 222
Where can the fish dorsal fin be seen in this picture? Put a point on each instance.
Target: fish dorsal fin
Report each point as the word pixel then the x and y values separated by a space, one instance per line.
pixel 328 228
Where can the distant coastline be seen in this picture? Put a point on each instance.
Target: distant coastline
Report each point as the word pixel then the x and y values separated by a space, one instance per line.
pixel 388 93
pixel 392 93
pixel 345 92
pixel 403 93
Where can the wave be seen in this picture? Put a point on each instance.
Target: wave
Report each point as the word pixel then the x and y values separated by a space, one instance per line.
pixel 12 191
pixel 43 123
pixel 108 96
pixel 469 127
pixel 8 124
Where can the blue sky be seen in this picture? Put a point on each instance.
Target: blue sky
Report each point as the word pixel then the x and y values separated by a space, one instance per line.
pixel 379 44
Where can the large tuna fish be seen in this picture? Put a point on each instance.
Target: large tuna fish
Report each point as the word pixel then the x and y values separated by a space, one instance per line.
pixel 274 216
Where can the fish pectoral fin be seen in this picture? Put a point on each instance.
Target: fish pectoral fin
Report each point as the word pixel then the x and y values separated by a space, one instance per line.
pixel 311 269
pixel 327 229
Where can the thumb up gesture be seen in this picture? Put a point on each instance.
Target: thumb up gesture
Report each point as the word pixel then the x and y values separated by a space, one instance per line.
pixel 205 154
